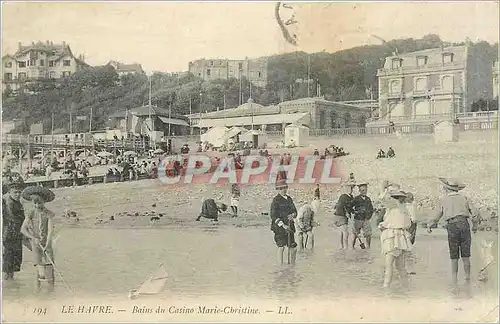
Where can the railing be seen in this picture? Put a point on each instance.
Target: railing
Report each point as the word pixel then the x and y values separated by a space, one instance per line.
pixel 437 117
pixel 47 140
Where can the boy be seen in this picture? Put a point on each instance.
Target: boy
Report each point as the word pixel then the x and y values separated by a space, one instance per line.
pixel 363 211
pixel 456 211
pixel 306 223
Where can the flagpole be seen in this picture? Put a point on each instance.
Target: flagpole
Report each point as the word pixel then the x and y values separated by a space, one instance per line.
pixel 52 138
pixel 190 116
pixel 90 122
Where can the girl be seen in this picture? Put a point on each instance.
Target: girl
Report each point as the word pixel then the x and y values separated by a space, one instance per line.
pixel 38 226
pixel 395 238
pixel 235 198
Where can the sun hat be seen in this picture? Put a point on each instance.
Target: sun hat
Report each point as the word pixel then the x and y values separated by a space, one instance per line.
pixel 452 184
pixel 397 193
pixel 46 194
pixel 13 180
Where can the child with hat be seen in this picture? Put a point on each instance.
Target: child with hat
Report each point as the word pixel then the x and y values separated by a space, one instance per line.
pixel 343 210
pixel 395 238
pixel 456 210
pixel 38 224
pixel 363 212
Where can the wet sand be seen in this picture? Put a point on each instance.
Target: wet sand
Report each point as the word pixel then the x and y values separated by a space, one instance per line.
pixel 235 259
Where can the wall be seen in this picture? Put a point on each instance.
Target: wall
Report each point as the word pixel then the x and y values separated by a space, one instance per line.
pixel 479 77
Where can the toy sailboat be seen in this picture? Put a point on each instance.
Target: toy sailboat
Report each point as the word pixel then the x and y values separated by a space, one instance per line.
pixel 152 285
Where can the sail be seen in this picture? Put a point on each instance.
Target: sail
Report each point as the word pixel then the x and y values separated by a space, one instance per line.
pixel 154 283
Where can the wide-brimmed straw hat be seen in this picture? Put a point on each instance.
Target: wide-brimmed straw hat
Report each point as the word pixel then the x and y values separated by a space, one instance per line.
pixel 46 194
pixel 452 184
pixel 395 193
pixel 349 183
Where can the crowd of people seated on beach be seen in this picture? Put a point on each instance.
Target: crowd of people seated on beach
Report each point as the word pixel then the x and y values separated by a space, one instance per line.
pixel 336 151
pixel 390 153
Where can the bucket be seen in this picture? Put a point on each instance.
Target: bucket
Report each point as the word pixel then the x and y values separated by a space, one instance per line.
pixel 45 272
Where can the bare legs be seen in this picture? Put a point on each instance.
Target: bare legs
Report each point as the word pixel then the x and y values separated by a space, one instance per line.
pixel 292 251
pixel 399 261
pixel 454 275
pixel 344 237
pixel 304 238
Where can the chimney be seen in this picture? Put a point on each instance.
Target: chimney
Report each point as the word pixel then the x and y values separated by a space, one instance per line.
pixel 19 45
pixel 32 43
pixel 64 44
pixel 47 42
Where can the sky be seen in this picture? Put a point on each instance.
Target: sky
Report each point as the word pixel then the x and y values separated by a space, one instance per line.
pixel 165 36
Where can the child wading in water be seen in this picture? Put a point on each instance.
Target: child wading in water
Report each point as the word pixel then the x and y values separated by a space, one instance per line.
pixel 456 211
pixel 395 238
pixel 38 227
pixel 235 198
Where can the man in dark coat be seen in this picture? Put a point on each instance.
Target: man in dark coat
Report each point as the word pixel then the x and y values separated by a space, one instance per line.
pixel 283 212
pixel 13 218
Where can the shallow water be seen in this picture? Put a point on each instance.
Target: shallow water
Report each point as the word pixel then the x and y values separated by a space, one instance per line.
pixel 211 259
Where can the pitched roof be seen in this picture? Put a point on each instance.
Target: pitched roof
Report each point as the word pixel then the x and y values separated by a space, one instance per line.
pixel 144 112
pixel 122 67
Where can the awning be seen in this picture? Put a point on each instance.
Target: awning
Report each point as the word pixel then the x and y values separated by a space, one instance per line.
pixel 172 121
pixel 296 118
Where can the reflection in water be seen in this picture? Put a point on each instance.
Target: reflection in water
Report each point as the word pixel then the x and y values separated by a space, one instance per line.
pixel 286 282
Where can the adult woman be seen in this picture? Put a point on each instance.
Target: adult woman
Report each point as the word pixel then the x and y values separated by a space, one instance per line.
pixel 13 217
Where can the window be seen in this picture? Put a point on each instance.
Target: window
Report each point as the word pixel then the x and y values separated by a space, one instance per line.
pixel 260 74
pixel 22 64
pixel 212 63
pixel 447 57
pixel 53 52
pixel 8 64
pixel 42 62
pixel 21 75
pixel 66 63
pixel 52 63
pixel 395 87
pixel 397 63
pixel 66 73
pixel 447 82
pixel 420 84
pixel 208 72
pixel 240 66
pixel 32 62
pixel 7 76
pixel 421 60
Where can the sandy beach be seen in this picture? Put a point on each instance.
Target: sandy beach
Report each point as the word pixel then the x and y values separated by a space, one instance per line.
pixel 234 259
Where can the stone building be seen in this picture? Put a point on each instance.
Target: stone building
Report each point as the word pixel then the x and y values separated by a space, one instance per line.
pixel 38 62
pixel 433 82
pixel 255 70
pixel 315 113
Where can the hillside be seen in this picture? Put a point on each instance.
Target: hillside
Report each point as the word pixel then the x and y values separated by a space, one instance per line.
pixel 344 75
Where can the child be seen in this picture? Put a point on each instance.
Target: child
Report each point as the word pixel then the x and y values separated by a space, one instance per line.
pixel 306 223
pixel 343 210
pixel 395 238
pixel 38 226
pixel 456 211
pixel 235 198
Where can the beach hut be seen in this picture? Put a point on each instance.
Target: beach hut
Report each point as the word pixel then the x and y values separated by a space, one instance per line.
pixel 234 132
pixel 296 135
pixel 445 132
pixel 257 138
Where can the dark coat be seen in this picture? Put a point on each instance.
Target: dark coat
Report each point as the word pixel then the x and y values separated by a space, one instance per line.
pixel 280 209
